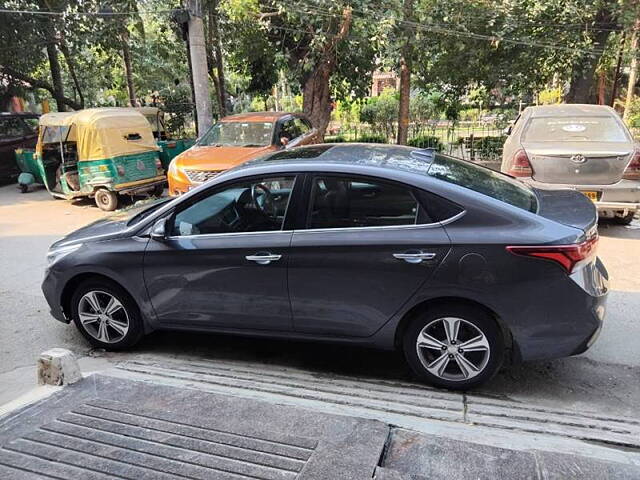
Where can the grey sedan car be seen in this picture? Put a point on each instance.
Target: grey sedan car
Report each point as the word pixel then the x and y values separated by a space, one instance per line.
pixel 584 147
pixel 460 267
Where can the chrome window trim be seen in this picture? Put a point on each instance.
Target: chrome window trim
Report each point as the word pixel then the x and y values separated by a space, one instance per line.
pixel 227 234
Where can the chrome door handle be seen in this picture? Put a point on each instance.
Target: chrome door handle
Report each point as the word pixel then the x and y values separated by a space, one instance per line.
pixel 417 257
pixel 264 259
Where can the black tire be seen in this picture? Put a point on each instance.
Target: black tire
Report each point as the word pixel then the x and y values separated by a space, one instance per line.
pixel 491 361
pixel 106 199
pixel 104 288
pixel 23 188
pixel 626 220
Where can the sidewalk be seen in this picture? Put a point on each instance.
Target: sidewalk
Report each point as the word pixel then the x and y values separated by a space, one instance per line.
pixel 228 420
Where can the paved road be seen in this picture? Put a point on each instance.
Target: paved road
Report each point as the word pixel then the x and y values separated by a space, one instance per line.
pixel 606 378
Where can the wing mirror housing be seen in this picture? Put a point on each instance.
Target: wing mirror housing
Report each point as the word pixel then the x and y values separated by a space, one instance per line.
pixel 159 230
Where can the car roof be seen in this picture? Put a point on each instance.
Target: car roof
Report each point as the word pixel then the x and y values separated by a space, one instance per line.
pixel 257 116
pixel 569 110
pixel 390 157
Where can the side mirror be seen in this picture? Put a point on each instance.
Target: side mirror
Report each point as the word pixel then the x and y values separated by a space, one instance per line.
pixel 159 230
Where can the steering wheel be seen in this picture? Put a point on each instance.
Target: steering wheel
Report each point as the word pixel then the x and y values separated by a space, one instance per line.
pixel 267 206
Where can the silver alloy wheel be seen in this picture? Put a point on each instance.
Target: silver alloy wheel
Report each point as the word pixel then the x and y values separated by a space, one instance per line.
pixel 453 349
pixel 103 316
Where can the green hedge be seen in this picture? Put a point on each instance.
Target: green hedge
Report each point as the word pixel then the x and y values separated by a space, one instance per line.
pixel 372 139
pixel 426 141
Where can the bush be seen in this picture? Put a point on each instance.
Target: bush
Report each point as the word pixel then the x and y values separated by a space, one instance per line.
pixel 336 139
pixel 489 147
pixel 426 141
pixel 373 138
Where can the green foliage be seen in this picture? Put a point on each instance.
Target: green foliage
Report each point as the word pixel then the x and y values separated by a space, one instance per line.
pixel 176 102
pixel 489 147
pixel 550 96
pixel 633 119
pixel 426 141
pixel 372 138
pixel 337 139
pixel 381 113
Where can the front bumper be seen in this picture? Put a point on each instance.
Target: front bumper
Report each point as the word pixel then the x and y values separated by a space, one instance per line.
pixel 53 296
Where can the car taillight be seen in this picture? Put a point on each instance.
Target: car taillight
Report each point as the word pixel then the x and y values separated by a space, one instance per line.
pixel 519 166
pixel 569 257
pixel 632 172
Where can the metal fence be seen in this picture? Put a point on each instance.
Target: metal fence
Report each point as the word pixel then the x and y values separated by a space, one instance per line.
pixel 480 142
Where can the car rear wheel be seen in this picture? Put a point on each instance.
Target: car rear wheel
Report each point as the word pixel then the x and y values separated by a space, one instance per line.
pixel 454 347
pixel 106 200
pixel 106 315
pixel 624 220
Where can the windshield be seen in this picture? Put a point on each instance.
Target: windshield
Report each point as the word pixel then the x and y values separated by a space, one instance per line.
pixel 485 181
pixel 238 134
pixel 142 209
pixel 574 129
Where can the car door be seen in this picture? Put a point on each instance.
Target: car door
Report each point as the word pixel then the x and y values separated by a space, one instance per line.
pixel 223 262
pixel 366 246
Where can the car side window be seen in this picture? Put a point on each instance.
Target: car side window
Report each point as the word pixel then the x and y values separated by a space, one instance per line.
pixel 12 127
pixel 343 202
pixel 301 126
pixel 256 205
pixel 290 130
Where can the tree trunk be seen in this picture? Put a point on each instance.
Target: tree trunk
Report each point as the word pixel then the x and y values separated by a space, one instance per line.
pixel 198 54
pixel 56 76
pixel 220 82
pixel 34 83
pixel 602 88
pixel 128 69
pixel 633 71
pixel 72 70
pixel 616 74
pixel 316 98
pixel 582 85
pixel 405 78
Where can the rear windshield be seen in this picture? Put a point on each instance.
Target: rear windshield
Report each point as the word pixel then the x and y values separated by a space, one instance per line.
pixel 574 129
pixel 485 181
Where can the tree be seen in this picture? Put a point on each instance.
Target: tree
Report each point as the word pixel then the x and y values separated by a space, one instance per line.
pixel 405 73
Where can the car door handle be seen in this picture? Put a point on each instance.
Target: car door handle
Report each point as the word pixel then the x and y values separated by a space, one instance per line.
pixel 417 257
pixel 264 259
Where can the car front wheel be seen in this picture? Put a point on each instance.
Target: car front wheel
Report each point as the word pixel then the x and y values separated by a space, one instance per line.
pixel 454 347
pixel 106 315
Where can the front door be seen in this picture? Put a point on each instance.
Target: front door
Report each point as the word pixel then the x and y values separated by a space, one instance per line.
pixel 365 250
pixel 224 262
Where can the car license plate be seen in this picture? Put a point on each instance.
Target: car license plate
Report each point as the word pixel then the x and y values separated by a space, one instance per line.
pixel 593 196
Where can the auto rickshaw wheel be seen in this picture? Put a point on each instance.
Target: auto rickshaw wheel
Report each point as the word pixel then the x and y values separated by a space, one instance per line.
pixel 106 199
pixel 23 188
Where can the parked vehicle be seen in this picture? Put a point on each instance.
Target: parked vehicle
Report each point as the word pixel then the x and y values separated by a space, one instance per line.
pixel 584 147
pixel 169 147
pixel 234 140
pixel 17 130
pixel 100 153
pixel 461 267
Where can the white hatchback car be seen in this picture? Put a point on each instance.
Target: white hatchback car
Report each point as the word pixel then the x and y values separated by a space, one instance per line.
pixel 584 147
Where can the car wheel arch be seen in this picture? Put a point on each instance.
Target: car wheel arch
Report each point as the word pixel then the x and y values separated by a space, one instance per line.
pixel 73 283
pixel 512 351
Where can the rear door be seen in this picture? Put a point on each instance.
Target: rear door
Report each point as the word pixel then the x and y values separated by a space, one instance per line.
pixel 365 247
pixel 579 150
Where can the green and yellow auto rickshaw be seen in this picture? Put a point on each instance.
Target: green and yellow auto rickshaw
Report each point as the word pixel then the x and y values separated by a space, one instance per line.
pixel 169 147
pixel 99 152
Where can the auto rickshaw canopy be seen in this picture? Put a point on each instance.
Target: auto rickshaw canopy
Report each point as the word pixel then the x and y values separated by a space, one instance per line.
pixel 101 133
